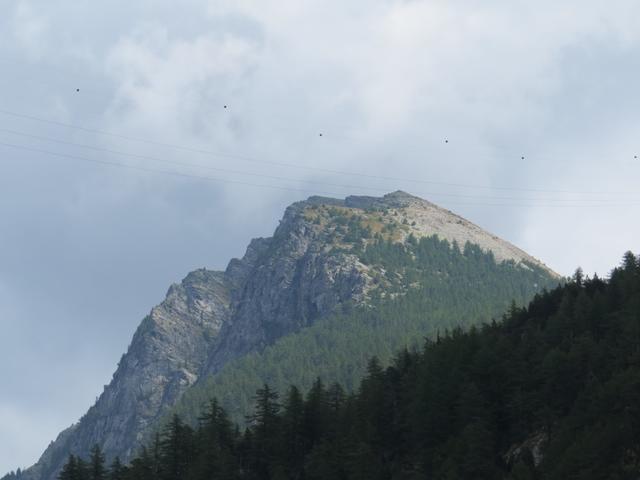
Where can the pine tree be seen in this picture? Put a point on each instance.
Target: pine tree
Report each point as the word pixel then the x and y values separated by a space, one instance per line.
pixel 143 467
pixel 176 450
pixel 561 375
pixel 629 261
pixel 117 471
pixel 97 469
pixel 266 433
pixel 216 445
pixel 316 414
pixel 265 418
pixel 293 429
pixel 70 469
pixel 82 469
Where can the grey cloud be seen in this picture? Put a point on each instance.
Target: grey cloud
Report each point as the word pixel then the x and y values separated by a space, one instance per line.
pixel 87 249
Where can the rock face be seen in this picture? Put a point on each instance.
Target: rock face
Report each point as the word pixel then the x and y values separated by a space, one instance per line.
pixel 287 281
pixel 282 284
pixel 165 357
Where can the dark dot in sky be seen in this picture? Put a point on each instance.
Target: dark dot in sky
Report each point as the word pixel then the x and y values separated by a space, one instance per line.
pixel 225 106
pixel 521 158
pixel 77 89
pixel 320 134
pixel 635 156
pixel 446 141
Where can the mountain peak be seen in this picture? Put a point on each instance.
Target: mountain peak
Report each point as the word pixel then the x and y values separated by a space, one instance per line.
pixel 405 215
pixel 397 199
pixel 317 261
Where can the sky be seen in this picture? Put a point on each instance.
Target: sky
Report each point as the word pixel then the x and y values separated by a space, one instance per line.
pixel 142 139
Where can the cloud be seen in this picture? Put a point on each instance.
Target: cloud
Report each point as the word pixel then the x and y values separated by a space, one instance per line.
pixel 172 80
pixel 30 30
pixel 87 248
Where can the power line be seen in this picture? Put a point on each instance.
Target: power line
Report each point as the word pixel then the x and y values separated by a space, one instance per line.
pixel 291 165
pixel 151 170
pixel 184 164
pixel 272 177
pixel 323 133
pixel 278 187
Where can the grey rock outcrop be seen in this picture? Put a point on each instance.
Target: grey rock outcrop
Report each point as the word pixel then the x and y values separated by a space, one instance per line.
pixel 283 283
pixel 165 356
pixel 289 281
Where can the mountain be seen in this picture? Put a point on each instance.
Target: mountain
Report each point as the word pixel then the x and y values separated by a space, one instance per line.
pixel 340 261
pixel 550 392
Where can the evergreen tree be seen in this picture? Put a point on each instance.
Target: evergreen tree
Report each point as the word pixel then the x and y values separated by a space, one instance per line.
pixel 143 467
pixel 216 450
pixel 70 470
pixel 296 444
pixel 117 471
pixel 82 469
pixel 550 392
pixel 97 469
pixel 265 443
pixel 316 414
pixel 176 450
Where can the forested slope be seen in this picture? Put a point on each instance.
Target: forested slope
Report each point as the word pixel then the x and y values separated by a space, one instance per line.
pixel 430 286
pixel 552 391
pixel 365 275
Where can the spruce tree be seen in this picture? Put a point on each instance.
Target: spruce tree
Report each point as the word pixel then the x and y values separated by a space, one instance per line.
pixel 96 468
pixel 143 467
pixel 70 469
pixel 176 450
pixel 265 444
pixel 117 471
pixel 293 426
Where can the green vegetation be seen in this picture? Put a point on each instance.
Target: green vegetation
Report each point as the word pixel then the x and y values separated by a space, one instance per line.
pixel 346 227
pixel 550 392
pixel 428 286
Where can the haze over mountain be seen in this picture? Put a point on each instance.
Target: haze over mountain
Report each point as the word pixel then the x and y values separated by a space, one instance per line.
pixel 396 268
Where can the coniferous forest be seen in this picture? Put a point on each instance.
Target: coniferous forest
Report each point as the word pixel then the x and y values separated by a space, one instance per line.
pixel 428 285
pixel 552 391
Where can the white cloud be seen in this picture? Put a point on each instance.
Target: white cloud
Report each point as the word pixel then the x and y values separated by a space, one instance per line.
pixel 386 81
pixel 30 29
pixel 175 84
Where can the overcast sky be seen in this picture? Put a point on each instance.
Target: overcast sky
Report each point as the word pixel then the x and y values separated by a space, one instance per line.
pixel 438 98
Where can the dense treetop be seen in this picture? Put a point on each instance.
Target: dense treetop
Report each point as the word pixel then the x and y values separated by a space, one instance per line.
pixel 552 391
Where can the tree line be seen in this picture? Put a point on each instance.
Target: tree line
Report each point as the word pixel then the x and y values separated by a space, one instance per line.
pixel 424 286
pixel 551 391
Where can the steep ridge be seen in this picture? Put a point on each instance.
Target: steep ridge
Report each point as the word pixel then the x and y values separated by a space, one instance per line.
pixel 549 392
pixel 165 357
pixel 301 273
pixel 285 283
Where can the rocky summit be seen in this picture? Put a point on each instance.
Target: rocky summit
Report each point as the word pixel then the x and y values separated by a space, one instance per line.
pixel 304 272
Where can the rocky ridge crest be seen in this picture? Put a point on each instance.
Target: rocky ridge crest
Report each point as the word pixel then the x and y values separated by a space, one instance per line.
pixel 282 284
